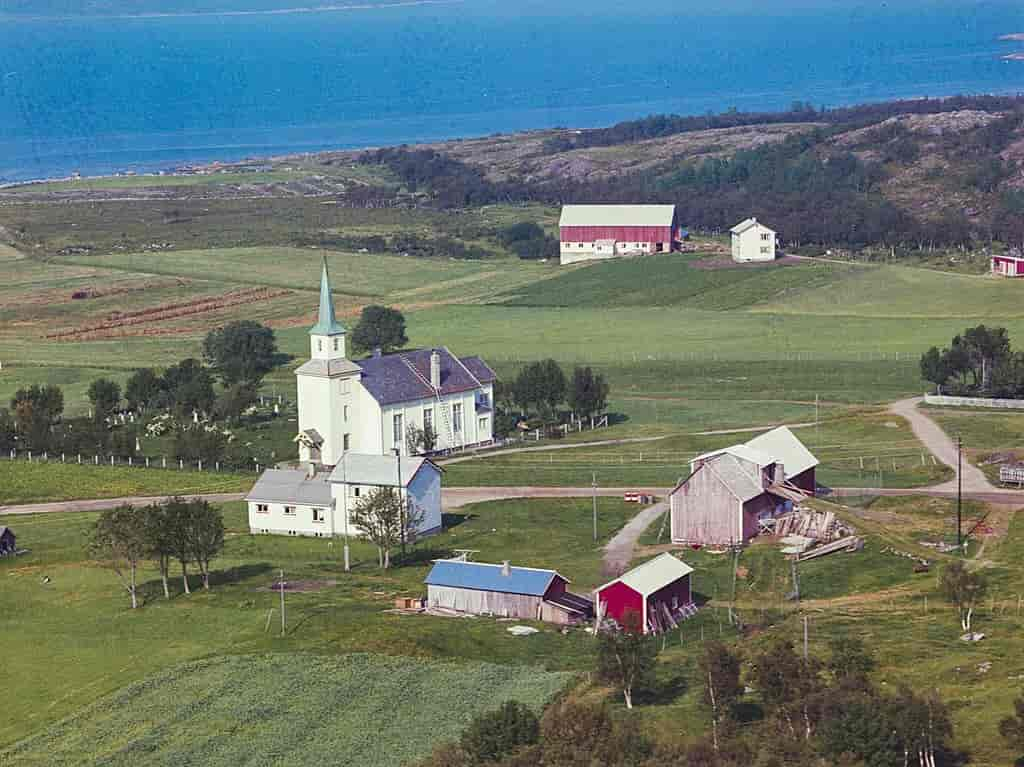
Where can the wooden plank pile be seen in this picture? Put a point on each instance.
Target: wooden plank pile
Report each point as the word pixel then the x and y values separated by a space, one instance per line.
pixel 850 543
pixel 821 526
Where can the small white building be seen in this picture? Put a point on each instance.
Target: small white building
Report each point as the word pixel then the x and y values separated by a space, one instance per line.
pixel 369 405
pixel 320 504
pixel 752 241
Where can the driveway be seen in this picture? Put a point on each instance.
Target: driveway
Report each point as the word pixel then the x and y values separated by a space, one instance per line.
pixel 98 504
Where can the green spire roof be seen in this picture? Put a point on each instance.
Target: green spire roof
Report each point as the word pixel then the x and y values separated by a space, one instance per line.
pixel 326 324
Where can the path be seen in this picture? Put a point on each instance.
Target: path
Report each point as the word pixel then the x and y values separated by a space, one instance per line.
pixel 98 504
pixel 942 447
pixel 618 552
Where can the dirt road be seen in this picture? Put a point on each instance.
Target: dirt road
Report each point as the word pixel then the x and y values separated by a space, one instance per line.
pixel 98 504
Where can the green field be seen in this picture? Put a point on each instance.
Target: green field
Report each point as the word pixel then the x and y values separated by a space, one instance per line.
pixel 286 709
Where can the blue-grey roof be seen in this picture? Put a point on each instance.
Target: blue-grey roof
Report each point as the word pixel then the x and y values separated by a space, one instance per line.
pixel 389 378
pixel 479 576
pixel 326 323
pixel 291 486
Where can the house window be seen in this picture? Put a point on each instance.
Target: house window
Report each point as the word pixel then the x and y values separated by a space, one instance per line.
pixel 482 426
pixel 289 510
pixel 318 515
pixel 396 427
pixel 344 412
pixel 262 508
pixel 457 416
pixel 764 250
pixel 428 418
pixel 356 492
pixel 764 237
pixel 345 440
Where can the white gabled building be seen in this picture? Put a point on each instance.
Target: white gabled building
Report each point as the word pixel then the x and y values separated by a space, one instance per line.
pixel 296 502
pixel 367 405
pixel 752 241
pixel 589 232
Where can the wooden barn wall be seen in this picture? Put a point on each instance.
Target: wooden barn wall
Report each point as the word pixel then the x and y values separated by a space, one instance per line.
pixel 754 508
pixel 704 511
pixel 484 602
pixel 680 589
pixel 806 481
pixel 549 613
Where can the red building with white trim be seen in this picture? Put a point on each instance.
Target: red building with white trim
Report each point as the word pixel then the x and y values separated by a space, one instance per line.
pixel 1008 266
pixel 607 231
pixel 659 590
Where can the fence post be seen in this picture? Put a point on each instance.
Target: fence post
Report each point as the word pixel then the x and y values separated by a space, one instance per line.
pixel 129 460
pixel 62 458
pixel 30 456
pixel 217 466
pixel 181 464
pixel 147 461
pixel 96 460
pixel 257 468
pixel 200 464
pixel 111 460
pixel 79 459
pixel 163 460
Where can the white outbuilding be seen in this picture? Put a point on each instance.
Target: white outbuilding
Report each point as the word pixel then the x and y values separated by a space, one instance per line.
pixel 752 241
pixel 320 504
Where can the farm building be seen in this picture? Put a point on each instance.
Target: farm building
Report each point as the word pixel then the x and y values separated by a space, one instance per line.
pixel 319 504
pixel 1012 474
pixel 369 405
pixel 659 590
pixel 752 241
pixel 734 494
pixel 1008 266
pixel 589 232
pixel 505 591
pixel 8 543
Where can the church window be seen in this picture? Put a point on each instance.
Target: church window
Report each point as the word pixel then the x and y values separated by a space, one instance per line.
pixel 335 344
pixel 483 426
pixel 346 442
pixel 457 416
pixel 319 344
pixel 397 429
pixel 356 491
pixel 428 418
pixel 344 412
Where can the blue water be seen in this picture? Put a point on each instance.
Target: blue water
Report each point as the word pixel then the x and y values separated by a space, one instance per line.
pixel 97 91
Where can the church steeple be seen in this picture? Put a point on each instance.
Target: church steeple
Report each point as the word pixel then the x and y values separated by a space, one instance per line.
pixel 327 324
pixel 327 336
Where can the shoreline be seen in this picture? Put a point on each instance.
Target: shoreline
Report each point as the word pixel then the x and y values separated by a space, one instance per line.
pixel 1013 37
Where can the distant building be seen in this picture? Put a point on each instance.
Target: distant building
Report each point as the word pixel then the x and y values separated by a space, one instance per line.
pixel 1008 266
pixel 504 591
pixel 658 590
pixel 752 241
pixel 368 405
pixel 732 494
pixel 8 543
pixel 320 504
pixel 590 232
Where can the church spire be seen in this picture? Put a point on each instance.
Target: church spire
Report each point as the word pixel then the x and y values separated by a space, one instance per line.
pixel 326 324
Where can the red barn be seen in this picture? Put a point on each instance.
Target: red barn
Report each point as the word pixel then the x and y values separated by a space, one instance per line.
pixel 658 589
pixel 606 231
pixel 1008 266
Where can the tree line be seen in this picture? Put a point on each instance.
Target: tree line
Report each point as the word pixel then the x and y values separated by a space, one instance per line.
pixel 978 362
pixel 176 531
pixel 541 388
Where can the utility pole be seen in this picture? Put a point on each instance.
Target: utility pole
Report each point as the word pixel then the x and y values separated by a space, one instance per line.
pixel 805 640
pixel 398 462
pixel 959 486
pixel 817 429
pixel 593 485
pixel 280 586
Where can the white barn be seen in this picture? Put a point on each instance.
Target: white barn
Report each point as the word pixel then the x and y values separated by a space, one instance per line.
pixel 368 405
pixel 752 241
pixel 320 504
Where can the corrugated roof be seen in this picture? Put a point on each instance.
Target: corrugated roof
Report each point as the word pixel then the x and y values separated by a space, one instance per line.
pixel 378 470
pixel 291 486
pixel 736 476
pixel 651 576
pixel 785 447
pixel 617 215
pixel 390 378
pixel 487 577
pixel 744 452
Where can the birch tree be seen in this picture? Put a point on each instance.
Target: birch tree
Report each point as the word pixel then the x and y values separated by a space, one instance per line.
pixel 205 536
pixel 964 588
pixel 178 535
pixel 159 546
pixel 720 672
pixel 119 537
pixel 379 515
pixel 626 656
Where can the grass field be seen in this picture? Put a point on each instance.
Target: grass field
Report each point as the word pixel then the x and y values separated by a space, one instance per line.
pixel 38 481
pixel 287 709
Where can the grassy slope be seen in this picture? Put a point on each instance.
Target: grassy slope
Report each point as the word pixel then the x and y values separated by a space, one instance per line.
pixel 79 621
pixel 302 709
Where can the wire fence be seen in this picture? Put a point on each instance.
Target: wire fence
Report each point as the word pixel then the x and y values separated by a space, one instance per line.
pixel 132 461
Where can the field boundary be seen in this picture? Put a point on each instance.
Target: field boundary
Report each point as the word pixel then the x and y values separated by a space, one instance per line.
pixel 994 403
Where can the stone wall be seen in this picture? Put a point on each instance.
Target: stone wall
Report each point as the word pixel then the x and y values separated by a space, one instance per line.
pixel 986 402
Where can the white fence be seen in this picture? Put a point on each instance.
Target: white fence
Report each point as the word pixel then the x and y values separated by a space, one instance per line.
pixel 987 402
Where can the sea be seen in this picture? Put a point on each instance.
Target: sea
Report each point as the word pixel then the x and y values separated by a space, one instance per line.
pixel 104 86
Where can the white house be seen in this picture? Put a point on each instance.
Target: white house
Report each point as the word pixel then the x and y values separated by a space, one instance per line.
pixel 752 241
pixel 368 405
pixel 320 504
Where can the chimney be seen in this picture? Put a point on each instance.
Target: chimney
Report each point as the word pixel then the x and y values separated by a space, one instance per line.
pixel 506 568
pixel 435 369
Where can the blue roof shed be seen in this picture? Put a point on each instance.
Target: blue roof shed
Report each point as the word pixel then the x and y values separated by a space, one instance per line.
pixel 453 573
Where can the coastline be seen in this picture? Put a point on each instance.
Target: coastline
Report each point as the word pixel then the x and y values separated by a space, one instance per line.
pixel 1013 37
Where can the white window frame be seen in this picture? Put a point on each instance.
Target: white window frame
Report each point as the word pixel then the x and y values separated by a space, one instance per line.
pixel 319 515
pixel 397 429
pixel 457 417
pixel 262 508
pixel 289 511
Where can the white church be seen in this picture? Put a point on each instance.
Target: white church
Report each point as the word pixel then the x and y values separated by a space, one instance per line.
pixel 353 422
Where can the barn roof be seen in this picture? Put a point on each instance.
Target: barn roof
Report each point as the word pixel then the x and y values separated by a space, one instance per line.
pixel 785 447
pixel 743 452
pixel 653 575
pixel 379 470
pixel 735 475
pixel 403 377
pixel 617 215
pixel 481 576
pixel 291 486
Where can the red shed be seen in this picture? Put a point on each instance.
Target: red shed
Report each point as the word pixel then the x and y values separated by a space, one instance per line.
pixel 1008 266
pixel 658 586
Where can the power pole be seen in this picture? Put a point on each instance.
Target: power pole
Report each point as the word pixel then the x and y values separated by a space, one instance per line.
pixel 398 461
pixel 280 586
pixel 959 486
pixel 805 640
pixel 593 485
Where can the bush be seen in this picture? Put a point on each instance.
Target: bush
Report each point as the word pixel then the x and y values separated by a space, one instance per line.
pixel 497 734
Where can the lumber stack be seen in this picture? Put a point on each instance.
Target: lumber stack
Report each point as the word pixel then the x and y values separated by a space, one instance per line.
pixel 821 526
